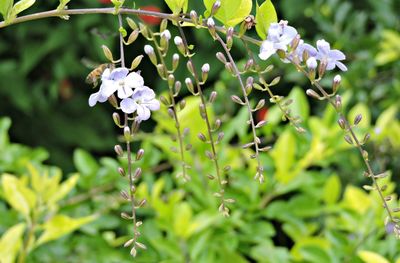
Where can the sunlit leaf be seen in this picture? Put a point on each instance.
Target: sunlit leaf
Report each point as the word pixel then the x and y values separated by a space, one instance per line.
pixel 18 195
pixel 356 199
pixel 182 217
pixel 11 242
pixel 177 6
pixel 22 5
pixel 60 225
pixel 5 7
pixel 62 4
pixel 332 189
pixel 364 110
pixel 265 15
pixel 283 155
pixel 64 188
pixel 371 257
pixel 231 13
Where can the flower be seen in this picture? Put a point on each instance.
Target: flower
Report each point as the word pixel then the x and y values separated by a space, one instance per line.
pixel 279 36
pixel 331 57
pixel 312 63
pixel 302 47
pixel 142 102
pixel 116 80
pixel 166 34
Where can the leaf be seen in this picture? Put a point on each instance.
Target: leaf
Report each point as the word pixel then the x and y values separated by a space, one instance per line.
pixel 265 15
pixel 11 242
pixel 371 257
pixel 62 4
pixel 231 13
pixel 356 199
pixel 60 225
pixel 5 8
pixel 182 217
pixel 5 124
pixel 332 190
pixel 299 106
pixel 64 189
pixel 22 5
pixel 177 5
pixel 84 162
pixel 283 155
pixel 20 197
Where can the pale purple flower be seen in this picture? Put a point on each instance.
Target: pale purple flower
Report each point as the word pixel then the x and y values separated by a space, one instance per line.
pixel 119 80
pixel 331 57
pixel 142 102
pixel 280 35
pixel 312 51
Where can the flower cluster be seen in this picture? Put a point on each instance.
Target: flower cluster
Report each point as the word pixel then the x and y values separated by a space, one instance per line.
pixel 280 36
pixel 136 98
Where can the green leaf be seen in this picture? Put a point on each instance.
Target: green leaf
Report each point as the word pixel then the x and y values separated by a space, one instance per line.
pixel 5 124
pixel 182 217
pixel 231 13
pixel 22 5
pixel 85 163
pixel 11 242
pixel 283 155
pixel 60 225
pixel 299 106
pixel 62 4
pixel 177 5
pixel 265 15
pixel 371 257
pixel 64 189
pixel 332 190
pixel 5 8
pixel 356 199
pixel 18 195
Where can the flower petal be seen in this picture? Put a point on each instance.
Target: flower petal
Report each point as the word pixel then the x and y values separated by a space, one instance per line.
pixel 152 104
pixel 143 113
pixel 323 47
pixel 341 66
pixel 108 87
pixel 124 92
pixel 134 80
pixel 119 73
pixel 266 50
pixel 128 105
pixel 336 55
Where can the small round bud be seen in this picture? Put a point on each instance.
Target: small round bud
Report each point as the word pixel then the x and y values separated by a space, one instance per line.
pixel 221 57
pixel 312 63
pixel 336 83
pixel 117 119
pixel 179 44
pixel 213 96
pixel 166 35
pixel 118 150
pixel 121 171
pixel 175 61
pixel 148 49
pixel 215 7
pixel 204 72
pixel 139 154
pixel 127 134
pixel 189 85
pixel 194 17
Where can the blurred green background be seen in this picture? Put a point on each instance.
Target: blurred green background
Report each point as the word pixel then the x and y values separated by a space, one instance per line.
pixel 311 208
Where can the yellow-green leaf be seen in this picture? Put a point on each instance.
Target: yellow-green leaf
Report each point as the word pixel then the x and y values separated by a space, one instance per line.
pixel 11 242
pixel 265 15
pixel 332 189
pixel 5 7
pixel 362 109
pixel 64 189
pixel 60 225
pixel 371 257
pixel 62 4
pixel 356 199
pixel 231 13
pixel 182 216
pixel 18 195
pixel 22 5
pixel 283 155
pixel 177 6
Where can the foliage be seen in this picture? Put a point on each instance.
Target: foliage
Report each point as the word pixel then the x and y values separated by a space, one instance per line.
pixel 311 207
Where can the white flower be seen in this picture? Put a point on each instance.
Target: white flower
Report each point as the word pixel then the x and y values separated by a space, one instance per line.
pixel 148 49
pixel 142 102
pixel 119 80
pixel 205 67
pixel 178 40
pixel 280 35
pixel 210 22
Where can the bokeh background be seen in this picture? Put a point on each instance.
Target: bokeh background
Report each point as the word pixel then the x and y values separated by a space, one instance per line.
pixel 312 207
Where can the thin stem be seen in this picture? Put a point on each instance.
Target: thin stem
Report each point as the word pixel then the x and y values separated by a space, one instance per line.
pixel 246 99
pixel 206 117
pixel 24 252
pixel 358 145
pixel 174 108
pixel 111 11
pixel 128 144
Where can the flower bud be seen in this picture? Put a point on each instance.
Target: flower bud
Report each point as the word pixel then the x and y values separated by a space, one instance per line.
pixel 179 44
pixel 175 61
pixel 113 101
pixel 322 68
pixel 312 63
pixel 138 173
pixel 215 7
pixel 127 134
pixel 338 102
pixel 149 50
pixel 162 71
pixel 118 150
pixel 229 37
pixel 194 17
pixel 249 64
pixel 121 171
pixel 211 27
pixel 313 94
pixel 116 119
pixel 136 62
pixel 164 101
pixel 182 104
pixel 295 42
pixel 189 85
pixel 133 36
pixel 221 57
pixel 342 123
pixel 357 119
pixel 131 23
pixel 139 154
pixel 213 96
pixel 190 67
pixel 178 86
pixel 202 137
pixel 204 72
pixel 336 83
pixel 163 25
pixel 165 37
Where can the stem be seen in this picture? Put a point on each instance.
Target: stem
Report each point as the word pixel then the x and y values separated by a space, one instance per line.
pixel 358 145
pixel 27 241
pixel 253 126
pixel 111 11
pixel 173 106
pixel 206 117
